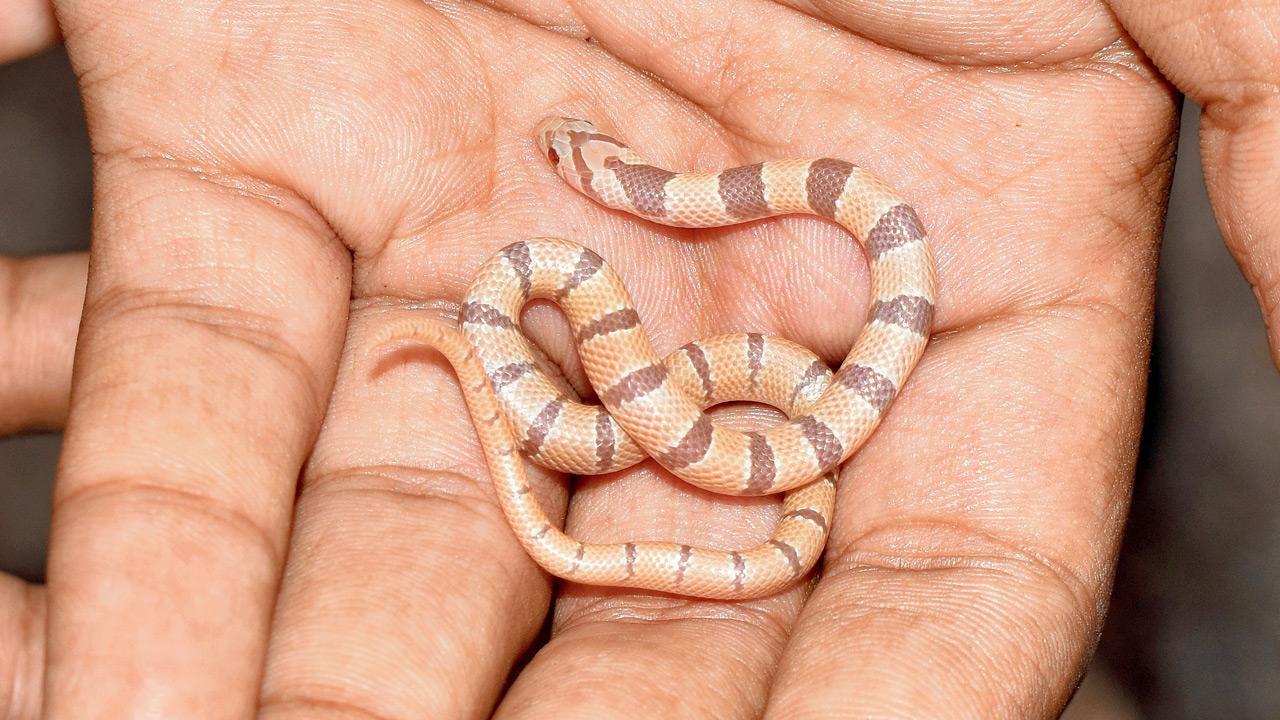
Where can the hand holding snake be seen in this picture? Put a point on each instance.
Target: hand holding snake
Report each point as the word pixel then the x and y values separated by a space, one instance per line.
pixel 324 543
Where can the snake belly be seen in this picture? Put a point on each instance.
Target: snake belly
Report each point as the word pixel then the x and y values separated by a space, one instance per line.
pixel 654 407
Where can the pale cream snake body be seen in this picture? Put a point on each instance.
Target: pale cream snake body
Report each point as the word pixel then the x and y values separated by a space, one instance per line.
pixel 653 407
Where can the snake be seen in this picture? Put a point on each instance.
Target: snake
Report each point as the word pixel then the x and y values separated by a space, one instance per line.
pixel 653 407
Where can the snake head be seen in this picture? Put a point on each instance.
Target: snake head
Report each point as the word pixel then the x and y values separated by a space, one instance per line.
pixel 577 150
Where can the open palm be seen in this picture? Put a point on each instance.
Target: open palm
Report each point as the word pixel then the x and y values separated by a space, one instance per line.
pixel 254 510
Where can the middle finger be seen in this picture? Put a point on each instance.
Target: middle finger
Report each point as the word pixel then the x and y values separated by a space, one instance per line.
pixel 406 595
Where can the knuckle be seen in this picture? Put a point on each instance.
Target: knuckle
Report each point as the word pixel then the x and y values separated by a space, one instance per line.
pixel 164 503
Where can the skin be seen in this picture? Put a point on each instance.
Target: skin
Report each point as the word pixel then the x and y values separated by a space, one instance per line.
pixel 26 26
pixel 255 513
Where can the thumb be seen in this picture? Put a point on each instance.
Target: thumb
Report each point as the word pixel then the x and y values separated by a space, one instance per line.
pixel 1223 56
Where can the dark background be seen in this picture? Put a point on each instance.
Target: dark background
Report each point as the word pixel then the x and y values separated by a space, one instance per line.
pixel 1194 630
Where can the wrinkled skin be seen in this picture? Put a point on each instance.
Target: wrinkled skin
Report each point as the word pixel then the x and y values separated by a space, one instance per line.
pixel 255 513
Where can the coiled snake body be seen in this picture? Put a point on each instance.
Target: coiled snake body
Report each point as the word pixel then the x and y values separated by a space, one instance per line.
pixel 653 407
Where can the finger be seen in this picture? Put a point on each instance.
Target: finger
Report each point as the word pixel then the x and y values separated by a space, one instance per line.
pixel 723 61
pixel 26 27
pixel 725 58
pixel 212 323
pixel 1223 55
pixel 425 562
pixel 555 15
pixel 42 298
pixel 22 616
pixel 972 33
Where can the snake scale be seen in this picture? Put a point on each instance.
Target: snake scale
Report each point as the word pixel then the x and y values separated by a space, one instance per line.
pixel 654 407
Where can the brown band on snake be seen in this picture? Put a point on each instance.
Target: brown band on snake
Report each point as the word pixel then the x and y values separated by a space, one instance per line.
pixel 482 314
pixel 606 443
pixel 826 446
pixel 585 173
pixel 542 532
pixel 909 311
pixel 630 549
pixel 817 371
pixel 624 319
pixel 692 447
pixel 897 227
pixel 644 185
pixel 867 384
pixel 685 553
pixel 739 571
pixel 577 559
pixel 812 516
pixel 635 384
pixel 698 359
pixel 537 433
pixel 508 374
pixel 517 253
pixel 790 553
pixel 825 184
pixel 755 355
pixel 763 468
pixel 578 138
pixel 589 263
pixel 742 191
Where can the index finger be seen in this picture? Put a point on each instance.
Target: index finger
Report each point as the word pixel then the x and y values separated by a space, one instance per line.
pixel 212 323
pixel 1223 56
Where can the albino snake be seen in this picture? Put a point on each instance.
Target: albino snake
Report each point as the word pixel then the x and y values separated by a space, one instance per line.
pixel 654 407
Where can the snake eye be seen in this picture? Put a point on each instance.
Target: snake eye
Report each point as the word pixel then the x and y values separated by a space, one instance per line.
pixel 553 155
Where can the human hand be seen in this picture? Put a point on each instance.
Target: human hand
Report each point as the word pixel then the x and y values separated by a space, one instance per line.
pixel 277 182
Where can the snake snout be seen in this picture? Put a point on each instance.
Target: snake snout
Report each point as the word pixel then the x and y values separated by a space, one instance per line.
pixel 555 137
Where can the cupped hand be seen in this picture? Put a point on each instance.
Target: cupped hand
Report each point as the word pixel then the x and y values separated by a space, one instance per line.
pixel 255 512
